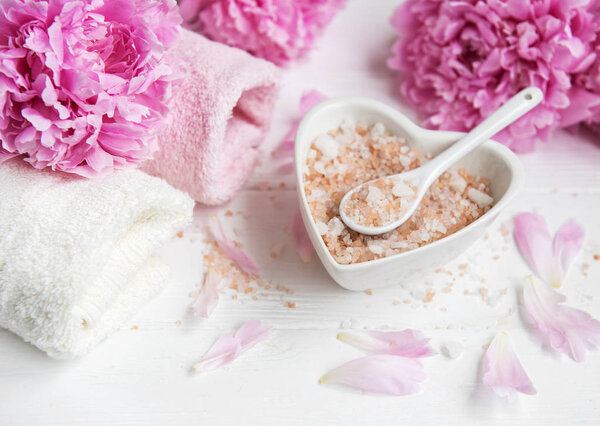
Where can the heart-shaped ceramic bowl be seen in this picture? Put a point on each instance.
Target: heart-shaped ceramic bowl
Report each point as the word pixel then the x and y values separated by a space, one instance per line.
pixel 491 160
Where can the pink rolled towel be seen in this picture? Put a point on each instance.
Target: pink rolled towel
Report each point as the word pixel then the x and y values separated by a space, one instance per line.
pixel 221 113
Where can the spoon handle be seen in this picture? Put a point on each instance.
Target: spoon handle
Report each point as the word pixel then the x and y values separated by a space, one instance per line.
pixel 513 109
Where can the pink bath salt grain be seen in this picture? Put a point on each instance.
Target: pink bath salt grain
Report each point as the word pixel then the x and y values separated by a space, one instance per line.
pixel 381 202
pixel 356 153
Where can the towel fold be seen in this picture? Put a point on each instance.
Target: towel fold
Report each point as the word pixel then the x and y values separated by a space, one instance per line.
pixel 76 255
pixel 221 112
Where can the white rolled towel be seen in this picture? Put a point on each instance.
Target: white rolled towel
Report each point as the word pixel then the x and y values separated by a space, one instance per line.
pixel 76 255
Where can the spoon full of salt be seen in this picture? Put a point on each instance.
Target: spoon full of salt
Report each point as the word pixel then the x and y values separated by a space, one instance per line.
pixel 364 210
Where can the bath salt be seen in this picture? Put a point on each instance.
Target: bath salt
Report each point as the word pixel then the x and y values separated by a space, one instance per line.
pixel 480 198
pixel 381 202
pixel 452 350
pixel 364 153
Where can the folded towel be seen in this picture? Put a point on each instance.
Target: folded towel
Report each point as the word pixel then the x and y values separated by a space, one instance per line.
pixel 220 112
pixel 76 255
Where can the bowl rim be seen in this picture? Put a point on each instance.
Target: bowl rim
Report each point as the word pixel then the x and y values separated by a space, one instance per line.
pixel 496 148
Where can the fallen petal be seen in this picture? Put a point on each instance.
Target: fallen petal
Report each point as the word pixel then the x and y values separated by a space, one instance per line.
pixel 241 259
pixel 560 327
pixel 535 244
pixel 408 343
pixel 567 244
pixel 307 101
pixel 386 374
pixel 208 297
pixel 251 333
pixel 310 99
pixel 303 245
pixel 502 370
pixel 226 349
pixel 229 346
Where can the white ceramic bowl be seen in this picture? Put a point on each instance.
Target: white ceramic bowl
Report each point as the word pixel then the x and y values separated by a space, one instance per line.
pixel 491 160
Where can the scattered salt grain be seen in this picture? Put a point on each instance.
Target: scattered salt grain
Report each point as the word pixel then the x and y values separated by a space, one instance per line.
pixel 452 350
pixel 418 294
pixel 276 250
pixel 344 325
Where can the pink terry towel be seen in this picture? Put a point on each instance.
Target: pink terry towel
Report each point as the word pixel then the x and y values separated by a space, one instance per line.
pixel 221 113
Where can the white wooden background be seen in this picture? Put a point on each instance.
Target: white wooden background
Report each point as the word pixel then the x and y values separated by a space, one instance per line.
pixel 141 375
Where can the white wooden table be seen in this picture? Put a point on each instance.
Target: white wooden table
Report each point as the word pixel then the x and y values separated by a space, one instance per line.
pixel 141 375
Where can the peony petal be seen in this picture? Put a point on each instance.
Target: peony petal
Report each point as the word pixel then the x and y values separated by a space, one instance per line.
pixel 307 101
pixel 38 121
pixel 241 259
pixel 535 244
pixel 310 99
pixel 560 327
pixel 226 349
pixel 408 343
pixel 386 374
pixel 208 297
pixel 229 346
pixel 251 333
pixel 567 244
pixel 502 370
pixel 303 245
pixel 99 160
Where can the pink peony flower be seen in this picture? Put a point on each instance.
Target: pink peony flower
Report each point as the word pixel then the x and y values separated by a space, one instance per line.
pixel 585 93
pixel 84 83
pixel 277 30
pixel 461 60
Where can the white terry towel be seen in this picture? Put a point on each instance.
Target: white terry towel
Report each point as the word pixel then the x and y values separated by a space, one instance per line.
pixel 76 255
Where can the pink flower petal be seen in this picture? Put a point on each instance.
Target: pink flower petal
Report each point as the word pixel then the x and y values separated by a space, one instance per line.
pixel 229 346
pixel 310 99
pixel 535 244
pixel 240 258
pixel 408 343
pixel 251 333
pixel 567 244
pixel 226 349
pixel 303 245
pixel 560 327
pixel 307 101
pixel 208 297
pixel 502 370
pixel 386 374
pixel 38 121
pixel 549 258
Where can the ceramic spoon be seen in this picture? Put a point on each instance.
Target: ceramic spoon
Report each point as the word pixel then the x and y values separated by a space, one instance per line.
pixel 421 178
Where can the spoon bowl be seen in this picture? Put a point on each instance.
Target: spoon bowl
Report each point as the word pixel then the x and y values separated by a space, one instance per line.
pixel 421 178
pixel 413 178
